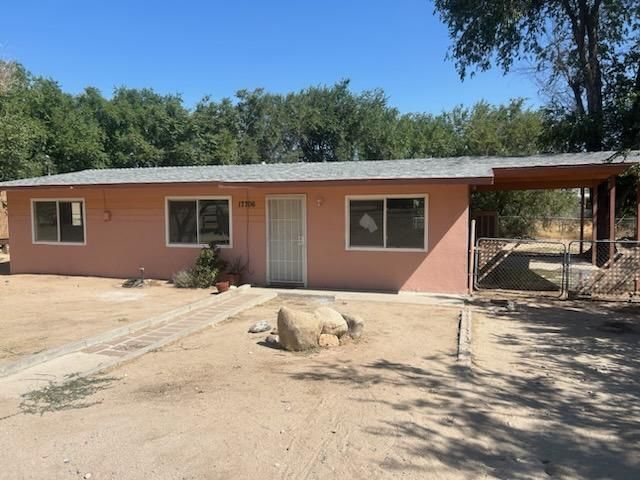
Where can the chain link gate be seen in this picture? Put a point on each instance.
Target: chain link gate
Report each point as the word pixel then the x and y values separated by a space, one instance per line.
pixel 604 269
pixel 532 266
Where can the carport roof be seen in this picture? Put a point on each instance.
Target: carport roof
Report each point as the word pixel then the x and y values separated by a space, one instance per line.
pixel 471 170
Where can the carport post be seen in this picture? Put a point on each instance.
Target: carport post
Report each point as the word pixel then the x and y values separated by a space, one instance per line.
pixel 581 220
pixel 612 217
pixel 594 225
pixel 638 211
pixel 637 279
pixel 472 256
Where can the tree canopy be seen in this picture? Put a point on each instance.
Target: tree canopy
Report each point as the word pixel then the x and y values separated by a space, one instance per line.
pixel 586 54
pixel 46 130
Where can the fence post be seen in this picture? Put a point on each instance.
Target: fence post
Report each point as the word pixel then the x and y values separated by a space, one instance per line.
pixel 472 256
pixel 567 267
pixel 581 220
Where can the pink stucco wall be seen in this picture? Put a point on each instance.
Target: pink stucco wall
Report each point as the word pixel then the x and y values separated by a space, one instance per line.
pixel 135 236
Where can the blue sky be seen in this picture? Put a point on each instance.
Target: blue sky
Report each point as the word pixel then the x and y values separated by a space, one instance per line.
pixel 198 47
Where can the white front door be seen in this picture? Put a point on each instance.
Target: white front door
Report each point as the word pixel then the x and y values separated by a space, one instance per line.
pixel 286 239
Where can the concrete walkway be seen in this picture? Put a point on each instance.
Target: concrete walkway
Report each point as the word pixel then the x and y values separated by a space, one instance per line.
pixel 121 348
pixel 417 298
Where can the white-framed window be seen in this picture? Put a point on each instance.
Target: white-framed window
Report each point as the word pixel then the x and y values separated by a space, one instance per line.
pixel 198 221
pixel 387 222
pixel 58 221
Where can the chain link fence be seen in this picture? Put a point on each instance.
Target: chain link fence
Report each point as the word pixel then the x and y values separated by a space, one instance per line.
pixel 556 228
pixel 532 266
pixel 599 270
pixel 605 269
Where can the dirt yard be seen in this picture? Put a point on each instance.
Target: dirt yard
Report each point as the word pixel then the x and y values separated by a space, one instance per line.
pixel 43 311
pixel 557 387
pixel 220 405
pixel 554 394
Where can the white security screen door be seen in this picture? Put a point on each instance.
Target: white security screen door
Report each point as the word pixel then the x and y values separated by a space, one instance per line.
pixel 286 239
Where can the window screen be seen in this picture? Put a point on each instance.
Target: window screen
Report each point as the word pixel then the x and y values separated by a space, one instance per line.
pixel 71 222
pixel 213 220
pixel 183 221
pixel 45 221
pixel 58 221
pixel 366 223
pixel 198 222
pixel 387 222
pixel 405 223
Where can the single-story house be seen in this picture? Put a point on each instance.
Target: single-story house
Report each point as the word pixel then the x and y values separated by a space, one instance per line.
pixel 375 225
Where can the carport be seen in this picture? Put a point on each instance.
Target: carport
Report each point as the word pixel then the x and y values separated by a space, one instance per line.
pixel 597 172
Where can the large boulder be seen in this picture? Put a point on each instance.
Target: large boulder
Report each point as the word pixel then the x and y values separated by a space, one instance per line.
pixel 298 330
pixel 332 322
pixel 355 324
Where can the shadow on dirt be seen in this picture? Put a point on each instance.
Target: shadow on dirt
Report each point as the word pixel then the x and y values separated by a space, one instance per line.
pixel 590 430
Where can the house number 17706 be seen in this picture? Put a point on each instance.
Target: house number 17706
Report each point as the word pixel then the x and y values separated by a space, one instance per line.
pixel 247 203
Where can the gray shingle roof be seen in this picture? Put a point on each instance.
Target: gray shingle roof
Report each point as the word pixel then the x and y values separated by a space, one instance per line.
pixel 422 168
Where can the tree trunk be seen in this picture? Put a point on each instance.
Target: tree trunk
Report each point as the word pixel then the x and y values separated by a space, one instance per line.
pixel 584 28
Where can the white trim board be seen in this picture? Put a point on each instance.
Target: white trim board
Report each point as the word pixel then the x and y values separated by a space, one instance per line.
pixel 195 198
pixel 58 200
pixel 384 197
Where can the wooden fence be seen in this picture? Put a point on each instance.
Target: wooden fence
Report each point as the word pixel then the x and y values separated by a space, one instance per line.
pixel 4 221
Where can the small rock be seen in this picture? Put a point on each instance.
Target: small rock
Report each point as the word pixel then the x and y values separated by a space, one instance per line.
pixel 259 327
pixel 327 340
pixel 66 460
pixel 355 324
pixel 87 476
pixel 508 305
pixel 272 340
pixel 332 322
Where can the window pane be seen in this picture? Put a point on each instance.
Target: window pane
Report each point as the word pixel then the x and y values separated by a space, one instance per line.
pixel 366 223
pixel 45 222
pixel 183 225
pixel 214 221
pixel 71 229
pixel 405 222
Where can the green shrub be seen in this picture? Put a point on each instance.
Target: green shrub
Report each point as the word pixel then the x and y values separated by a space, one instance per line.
pixel 183 279
pixel 208 266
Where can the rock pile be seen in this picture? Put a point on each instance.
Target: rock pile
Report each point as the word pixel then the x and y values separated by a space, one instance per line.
pixel 325 327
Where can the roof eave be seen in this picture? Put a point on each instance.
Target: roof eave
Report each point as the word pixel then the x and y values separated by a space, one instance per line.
pixel 443 180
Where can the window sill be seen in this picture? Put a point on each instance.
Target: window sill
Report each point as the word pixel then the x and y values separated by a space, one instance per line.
pixel 383 249
pixel 67 244
pixel 194 245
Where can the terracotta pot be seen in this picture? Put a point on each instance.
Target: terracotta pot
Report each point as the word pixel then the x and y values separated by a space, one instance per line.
pixel 222 286
pixel 232 278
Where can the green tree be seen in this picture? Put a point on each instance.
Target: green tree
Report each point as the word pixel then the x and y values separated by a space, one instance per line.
pixel 144 128
pixel 213 135
pixel 574 41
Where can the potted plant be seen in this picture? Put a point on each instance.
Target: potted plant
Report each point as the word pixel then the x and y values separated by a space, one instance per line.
pixel 222 286
pixel 234 271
